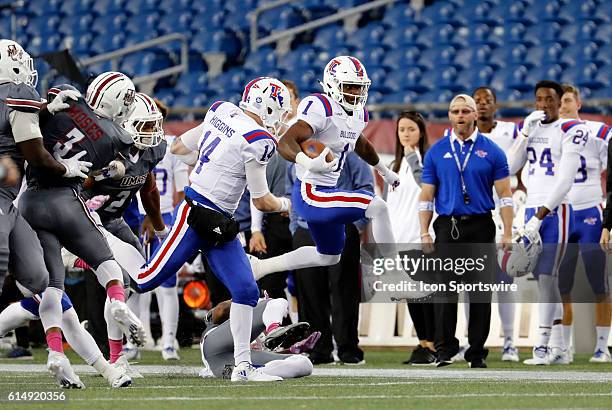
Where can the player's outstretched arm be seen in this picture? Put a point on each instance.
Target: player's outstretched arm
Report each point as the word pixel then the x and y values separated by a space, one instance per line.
pixel 289 144
pixel 260 194
pixel 185 146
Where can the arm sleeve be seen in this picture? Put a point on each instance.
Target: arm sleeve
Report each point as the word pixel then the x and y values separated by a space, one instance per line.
pixel 256 218
pixel 315 111
pixel 517 154
pixel 429 169
pixel 256 179
pixel 181 174
pixel 191 137
pixel 24 126
pixel 415 166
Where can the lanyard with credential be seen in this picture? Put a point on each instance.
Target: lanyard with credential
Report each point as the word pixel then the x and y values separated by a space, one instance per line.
pixel 461 168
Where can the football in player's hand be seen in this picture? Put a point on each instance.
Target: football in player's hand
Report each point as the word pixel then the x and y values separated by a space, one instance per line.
pixel 314 148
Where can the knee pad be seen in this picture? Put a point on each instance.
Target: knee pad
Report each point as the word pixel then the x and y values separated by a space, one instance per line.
pixel 247 294
pixel 377 207
pixel 107 271
pixel 329 260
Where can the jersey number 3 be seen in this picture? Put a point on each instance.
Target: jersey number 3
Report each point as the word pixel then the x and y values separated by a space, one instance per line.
pixel 62 148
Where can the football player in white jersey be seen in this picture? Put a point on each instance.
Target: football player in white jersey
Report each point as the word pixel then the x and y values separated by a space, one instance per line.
pixel 228 150
pixel 586 198
pixel 552 146
pixel 337 119
pixel 504 134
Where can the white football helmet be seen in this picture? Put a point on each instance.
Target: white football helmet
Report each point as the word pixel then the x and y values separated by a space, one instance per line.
pixel 269 99
pixel 111 95
pixel 16 65
pixel 145 122
pixel 522 258
pixel 342 71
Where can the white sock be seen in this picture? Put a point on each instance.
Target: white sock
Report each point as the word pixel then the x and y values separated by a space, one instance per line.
pixel 167 300
pixel 289 368
pixel 556 337
pixel 378 212
pixel 144 309
pixel 567 335
pixel 603 333
pixel 506 309
pixel 114 331
pixel 547 315
pixel 14 316
pixel 275 311
pixel 50 308
pixel 100 365
pixel 81 341
pixel 303 257
pixel 133 302
pixel 107 271
pixel 241 319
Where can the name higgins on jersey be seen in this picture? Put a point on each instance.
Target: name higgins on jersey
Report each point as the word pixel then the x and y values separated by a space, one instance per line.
pixel 221 126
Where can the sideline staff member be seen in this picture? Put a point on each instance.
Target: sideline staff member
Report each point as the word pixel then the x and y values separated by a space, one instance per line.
pixel 459 172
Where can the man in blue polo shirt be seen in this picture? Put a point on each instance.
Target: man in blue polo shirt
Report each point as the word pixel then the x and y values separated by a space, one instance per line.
pixel 459 174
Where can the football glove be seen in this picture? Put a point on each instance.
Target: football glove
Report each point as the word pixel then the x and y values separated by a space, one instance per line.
pixel 59 103
pixel 318 164
pixel 74 166
pixel 532 121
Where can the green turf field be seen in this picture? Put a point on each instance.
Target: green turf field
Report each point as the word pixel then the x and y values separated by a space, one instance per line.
pixel 502 386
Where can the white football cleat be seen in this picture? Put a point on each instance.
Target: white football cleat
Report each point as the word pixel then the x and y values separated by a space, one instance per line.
pixel 601 356
pixel 559 356
pixel 245 372
pixel 117 377
pixel 541 357
pixel 510 353
pixel 460 356
pixel 170 353
pixel 125 367
pixel 129 323
pixel 60 368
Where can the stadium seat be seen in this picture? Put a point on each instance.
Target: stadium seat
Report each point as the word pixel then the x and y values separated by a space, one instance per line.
pixel 472 78
pixel 165 95
pixel 399 15
pixel 262 59
pixel 444 78
pixel 170 6
pixel 178 22
pixel 542 33
pixel 109 24
pixel 316 9
pixel 75 7
pixel 141 7
pixel 43 26
pixel 81 43
pixel 208 21
pixel 584 75
pixel 407 79
pixel 329 36
pixel 46 44
pixel 546 53
pixel 551 11
pixel 401 97
pixel 437 57
pixel 603 34
pixel 307 80
pixel 510 55
pixel 143 22
pixel 104 44
pixel 604 54
pixel 546 71
pixel 586 10
pixel 441 12
pixel 368 36
pixel 106 7
pixel 479 12
pixel 509 75
pixel 604 76
pixel 137 64
pixel 402 36
pixel 377 76
pixel 476 55
pixel 324 56
pixel 514 33
pixel 437 96
pixel 582 51
pixel 396 59
pixel 137 38
pixel 372 57
pixel 303 58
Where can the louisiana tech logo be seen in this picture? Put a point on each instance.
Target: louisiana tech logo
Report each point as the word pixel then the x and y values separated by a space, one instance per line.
pixel 332 67
pixel 481 153
pixel 275 93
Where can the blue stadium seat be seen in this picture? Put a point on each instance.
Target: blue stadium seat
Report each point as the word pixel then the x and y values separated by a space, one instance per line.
pixel 76 7
pixel 39 45
pixel 476 55
pixel 399 15
pixel 287 18
pixel 142 22
pixel 437 57
pixel 604 92
pixel 316 9
pixel 137 38
pixel 165 95
pixel 303 57
pixel 584 75
pixel 479 12
pixel 472 78
pixel 586 10
pixel 485 34
pixel 440 34
pixel 43 26
pixel 81 43
pixel 402 36
pixel 396 59
pixel 324 56
pixel 99 68
pixel 329 36
pixel 307 80
pixel 444 78
pixel 193 100
pixel 604 54
pixel 546 53
pixel 220 42
pixel 543 33
pixel 76 25
pixel 604 75
pixel 408 79
pixel 262 59
pixel 169 6
pixel 208 21
pixel 546 71
pixel 41 9
pixel 514 33
pixel 441 12
pixel 178 22
pixel 368 36
pixel 111 23
pixel 371 57
pixel 582 51
pixel 378 76
pixel 510 55
pixel 344 4
pixel 437 96
pixel 515 75
pixel 401 97
pixel 137 64
pixel 603 34
pixel 551 11
pixel 141 7
pixel 104 44
pixel 105 7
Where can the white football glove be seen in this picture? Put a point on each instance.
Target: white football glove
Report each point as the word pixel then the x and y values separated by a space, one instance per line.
pixel 114 170
pixel 318 164
pixel 390 177
pixel 532 228
pixel 532 121
pixel 96 202
pixel 74 166
pixel 59 102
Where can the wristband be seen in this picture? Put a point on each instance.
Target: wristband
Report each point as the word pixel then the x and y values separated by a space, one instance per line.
pixel 285 203
pixel 506 202
pixel 426 206
pixel 423 235
pixel 381 168
pixel 163 233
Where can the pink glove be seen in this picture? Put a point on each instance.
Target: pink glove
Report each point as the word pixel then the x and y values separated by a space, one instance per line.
pixel 96 202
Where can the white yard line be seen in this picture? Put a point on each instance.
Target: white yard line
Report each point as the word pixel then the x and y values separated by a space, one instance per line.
pixel 408 374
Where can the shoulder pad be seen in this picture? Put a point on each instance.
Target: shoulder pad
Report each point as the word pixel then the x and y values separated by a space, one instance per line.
pixel 568 125
pixel 326 104
pixel 216 105
pixel 22 97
